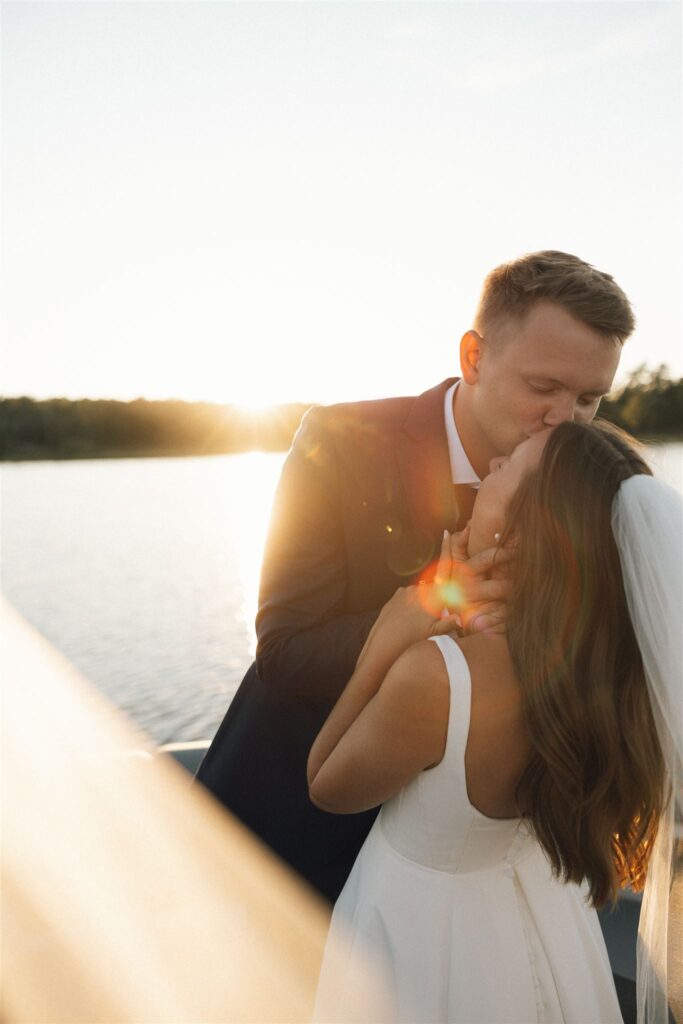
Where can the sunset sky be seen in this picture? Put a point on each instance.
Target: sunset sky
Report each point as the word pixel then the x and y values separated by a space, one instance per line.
pixel 261 202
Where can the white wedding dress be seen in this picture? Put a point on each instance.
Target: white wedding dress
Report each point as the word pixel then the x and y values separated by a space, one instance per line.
pixel 450 916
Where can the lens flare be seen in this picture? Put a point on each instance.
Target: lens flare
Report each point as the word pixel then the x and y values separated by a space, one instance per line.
pixel 451 594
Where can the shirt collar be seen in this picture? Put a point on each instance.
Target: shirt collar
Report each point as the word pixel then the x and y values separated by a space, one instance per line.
pixel 461 468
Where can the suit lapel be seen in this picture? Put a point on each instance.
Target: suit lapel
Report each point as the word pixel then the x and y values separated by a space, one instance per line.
pixel 425 468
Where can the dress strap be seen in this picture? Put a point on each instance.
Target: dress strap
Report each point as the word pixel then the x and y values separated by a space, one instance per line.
pixel 461 700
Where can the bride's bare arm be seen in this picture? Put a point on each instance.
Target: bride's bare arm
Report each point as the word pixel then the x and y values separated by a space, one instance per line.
pixel 388 726
pixel 407 618
pixel 390 721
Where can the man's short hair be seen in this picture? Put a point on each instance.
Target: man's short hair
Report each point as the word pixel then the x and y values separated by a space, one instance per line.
pixel 588 294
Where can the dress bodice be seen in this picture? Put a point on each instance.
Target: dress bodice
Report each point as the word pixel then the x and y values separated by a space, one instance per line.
pixel 451 917
pixel 453 835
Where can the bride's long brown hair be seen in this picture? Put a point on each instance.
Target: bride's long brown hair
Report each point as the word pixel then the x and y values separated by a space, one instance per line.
pixel 595 786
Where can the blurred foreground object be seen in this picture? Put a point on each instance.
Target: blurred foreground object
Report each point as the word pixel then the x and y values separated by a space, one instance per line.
pixel 126 896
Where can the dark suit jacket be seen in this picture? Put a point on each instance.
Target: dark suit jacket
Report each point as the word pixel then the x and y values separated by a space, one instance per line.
pixel 364 497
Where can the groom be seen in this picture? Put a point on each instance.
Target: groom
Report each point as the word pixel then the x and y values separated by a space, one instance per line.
pixel 364 497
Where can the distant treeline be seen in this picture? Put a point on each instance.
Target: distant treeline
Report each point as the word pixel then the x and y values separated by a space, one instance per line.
pixel 650 406
pixel 61 429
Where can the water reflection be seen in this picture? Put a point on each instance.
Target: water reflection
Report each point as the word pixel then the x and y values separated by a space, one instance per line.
pixel 144 572
pixel 247 486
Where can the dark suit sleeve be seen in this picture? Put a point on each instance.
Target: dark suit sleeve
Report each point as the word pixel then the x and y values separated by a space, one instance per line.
pixel 307 641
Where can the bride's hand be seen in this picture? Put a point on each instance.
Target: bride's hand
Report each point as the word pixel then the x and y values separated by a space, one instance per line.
pixel 472 600
pixel 460 595
pixel 409 616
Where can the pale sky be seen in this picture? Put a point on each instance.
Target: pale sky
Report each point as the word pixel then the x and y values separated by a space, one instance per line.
pixel 299 201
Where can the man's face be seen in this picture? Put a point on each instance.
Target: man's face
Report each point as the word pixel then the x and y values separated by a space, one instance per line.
pixel 537 373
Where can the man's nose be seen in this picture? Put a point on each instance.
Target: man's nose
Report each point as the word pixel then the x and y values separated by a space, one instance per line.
pixel 562 410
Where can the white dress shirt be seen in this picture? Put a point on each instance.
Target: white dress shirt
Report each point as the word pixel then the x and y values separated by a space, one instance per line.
pixel 461 467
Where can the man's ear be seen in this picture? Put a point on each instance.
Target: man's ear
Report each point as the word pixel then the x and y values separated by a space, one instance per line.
pixel 470 354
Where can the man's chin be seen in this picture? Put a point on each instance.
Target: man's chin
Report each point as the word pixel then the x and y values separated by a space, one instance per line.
pixel 514 442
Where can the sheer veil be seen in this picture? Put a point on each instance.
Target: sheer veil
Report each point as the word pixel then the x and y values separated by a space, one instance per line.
pixel 647 520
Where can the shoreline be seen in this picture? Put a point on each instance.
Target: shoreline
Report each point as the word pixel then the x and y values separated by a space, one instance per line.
pixel 47 456
pixel 177 453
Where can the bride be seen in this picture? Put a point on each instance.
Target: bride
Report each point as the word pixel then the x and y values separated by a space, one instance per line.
pixel 525 776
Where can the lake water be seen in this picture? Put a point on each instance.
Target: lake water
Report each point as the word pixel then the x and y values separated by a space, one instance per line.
pixel 144 573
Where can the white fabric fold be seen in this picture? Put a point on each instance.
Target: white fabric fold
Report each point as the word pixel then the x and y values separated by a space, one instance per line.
pixel 647 520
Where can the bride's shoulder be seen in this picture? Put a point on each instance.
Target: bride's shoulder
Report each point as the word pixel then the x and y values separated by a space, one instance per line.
pixel 486 652
pixel 421 672
pixel 424 662
pixel 419 678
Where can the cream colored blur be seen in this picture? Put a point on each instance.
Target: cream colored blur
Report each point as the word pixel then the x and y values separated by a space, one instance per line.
pixel 127 896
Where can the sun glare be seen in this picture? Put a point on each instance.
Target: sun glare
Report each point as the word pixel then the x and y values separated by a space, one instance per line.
pixel 253 406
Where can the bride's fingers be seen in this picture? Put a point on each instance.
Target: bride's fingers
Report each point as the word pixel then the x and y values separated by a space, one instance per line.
pixel 443 569
pixel 459 544
pixel 484 561
pixel 489 618
pixel 479 591
pixel 448 624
